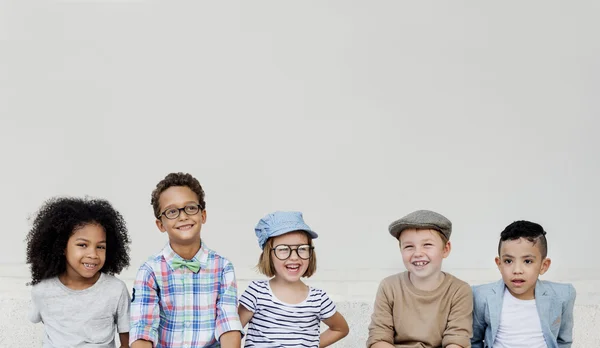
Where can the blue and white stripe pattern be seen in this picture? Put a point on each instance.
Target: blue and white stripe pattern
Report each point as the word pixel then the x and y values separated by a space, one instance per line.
pixel 278 324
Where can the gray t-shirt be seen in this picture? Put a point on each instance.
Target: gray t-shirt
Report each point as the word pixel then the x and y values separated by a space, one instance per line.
pixel 81 318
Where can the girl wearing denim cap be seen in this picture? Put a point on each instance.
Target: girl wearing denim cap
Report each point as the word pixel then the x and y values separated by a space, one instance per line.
pixel 283 311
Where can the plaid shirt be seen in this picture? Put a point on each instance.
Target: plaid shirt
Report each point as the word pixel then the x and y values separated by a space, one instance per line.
pixel 180 308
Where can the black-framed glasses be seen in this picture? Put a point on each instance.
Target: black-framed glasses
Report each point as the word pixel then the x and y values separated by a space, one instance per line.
pixel 173 213
pixel 284 251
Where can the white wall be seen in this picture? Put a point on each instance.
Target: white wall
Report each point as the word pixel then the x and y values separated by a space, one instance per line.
pixel 354 112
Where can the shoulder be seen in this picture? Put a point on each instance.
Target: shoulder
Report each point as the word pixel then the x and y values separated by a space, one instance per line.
pixel 317 292
pixel 393 281
pixel 260 285
pixel 216 258
pixel 484 289
pixel 563 291
pixel 43 286
pixel 482 292
pixel 114 282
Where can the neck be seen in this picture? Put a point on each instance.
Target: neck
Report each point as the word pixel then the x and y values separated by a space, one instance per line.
pixel 187 252
pixel 279 281
pixel 427 284
pixel 76 282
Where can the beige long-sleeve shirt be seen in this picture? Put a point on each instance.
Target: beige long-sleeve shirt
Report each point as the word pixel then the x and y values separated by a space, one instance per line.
pixel 407 317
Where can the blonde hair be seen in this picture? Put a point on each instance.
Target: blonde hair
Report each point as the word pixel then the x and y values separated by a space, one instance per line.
pixel 265 260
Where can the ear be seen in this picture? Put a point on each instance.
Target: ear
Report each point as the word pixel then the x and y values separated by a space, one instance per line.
pixel 203 216
pixel 497 259
pixel 447 249
pixel 545 265
pixel 160 225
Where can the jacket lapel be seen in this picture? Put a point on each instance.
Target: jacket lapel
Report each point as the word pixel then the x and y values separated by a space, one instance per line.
pixel 543 302
pixel 494 302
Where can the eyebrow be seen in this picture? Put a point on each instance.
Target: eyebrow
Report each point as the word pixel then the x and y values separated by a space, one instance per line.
pixel 523 257
pixel 87 240
pixel 176 205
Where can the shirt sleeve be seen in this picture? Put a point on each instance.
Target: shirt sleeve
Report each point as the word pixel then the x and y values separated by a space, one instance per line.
pixel 479 325
pixel 145 308
pixel 227 315
pixel 565 333
pixel 328 308
pixel 34 314
pixel 249 298
pixel 381 328
pixel 459 328
pixel 122 315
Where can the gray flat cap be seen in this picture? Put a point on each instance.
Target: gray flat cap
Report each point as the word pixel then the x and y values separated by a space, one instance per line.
pixel 422 219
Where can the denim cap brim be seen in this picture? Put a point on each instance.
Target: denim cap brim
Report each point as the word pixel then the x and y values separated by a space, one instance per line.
pixel 281 222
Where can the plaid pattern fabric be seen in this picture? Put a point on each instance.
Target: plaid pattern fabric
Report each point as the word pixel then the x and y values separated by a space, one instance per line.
pixel 179 308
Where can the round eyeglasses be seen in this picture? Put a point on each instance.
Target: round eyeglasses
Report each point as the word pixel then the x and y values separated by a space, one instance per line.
pixel 283 251
pixel 173 213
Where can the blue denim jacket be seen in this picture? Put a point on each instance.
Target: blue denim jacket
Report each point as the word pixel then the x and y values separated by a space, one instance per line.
pixel 554 302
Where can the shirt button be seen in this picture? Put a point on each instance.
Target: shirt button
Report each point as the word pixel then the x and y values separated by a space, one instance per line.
pixel 188 324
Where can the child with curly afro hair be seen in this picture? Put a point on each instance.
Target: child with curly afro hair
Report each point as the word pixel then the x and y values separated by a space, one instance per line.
pixel 74 248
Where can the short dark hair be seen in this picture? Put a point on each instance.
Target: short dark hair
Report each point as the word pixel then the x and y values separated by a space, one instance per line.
pixel 528 230
pixel 177 179
pixel 57 220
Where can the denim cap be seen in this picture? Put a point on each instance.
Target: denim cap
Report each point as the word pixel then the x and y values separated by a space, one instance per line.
pixel 422 219
pixel 281 222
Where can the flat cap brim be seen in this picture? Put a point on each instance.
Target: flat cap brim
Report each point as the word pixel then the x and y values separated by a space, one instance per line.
pixel 422 219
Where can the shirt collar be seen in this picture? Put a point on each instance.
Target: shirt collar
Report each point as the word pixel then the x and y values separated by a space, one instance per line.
pixel 201 256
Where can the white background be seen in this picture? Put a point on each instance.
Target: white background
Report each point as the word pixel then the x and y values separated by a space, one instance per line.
pixel 354 112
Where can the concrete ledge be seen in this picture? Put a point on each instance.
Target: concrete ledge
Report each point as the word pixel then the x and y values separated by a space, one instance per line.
pixel 18 332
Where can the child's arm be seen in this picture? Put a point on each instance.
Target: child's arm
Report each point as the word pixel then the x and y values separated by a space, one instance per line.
pixel 227 322
pixel 123 316
pixel 231 339
pixel 245 314
pixel 124 339
pixel 34 315
pixel 381 328
pixel 338 329
pixel 145 310
pixel 459 328
pixel 565 333
pixel 478 320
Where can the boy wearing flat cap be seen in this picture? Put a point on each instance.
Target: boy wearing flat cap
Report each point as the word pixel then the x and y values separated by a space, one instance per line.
pixel 422 307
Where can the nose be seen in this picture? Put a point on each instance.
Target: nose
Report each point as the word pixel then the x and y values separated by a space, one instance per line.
pixel 294 254
pixel 518 268
pixel 93 253
pixel 418 250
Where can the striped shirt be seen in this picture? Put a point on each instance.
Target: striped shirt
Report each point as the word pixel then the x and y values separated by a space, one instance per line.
pixel 178 308
pixel 278 324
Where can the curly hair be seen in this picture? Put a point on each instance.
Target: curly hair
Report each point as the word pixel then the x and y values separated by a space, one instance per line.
pixel 177 179
pixel 55 223
pixel 528 230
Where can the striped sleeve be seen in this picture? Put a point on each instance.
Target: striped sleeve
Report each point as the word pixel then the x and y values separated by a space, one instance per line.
pixel 249 297
pixel 327 306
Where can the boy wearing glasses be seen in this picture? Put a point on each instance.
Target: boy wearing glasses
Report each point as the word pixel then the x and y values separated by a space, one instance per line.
pixel 185 295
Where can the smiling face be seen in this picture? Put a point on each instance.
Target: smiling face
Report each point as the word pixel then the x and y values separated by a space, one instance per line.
pixel 520 263
pixel 422 253
pixel 184 230
pixel 294 267
pixel 85 254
